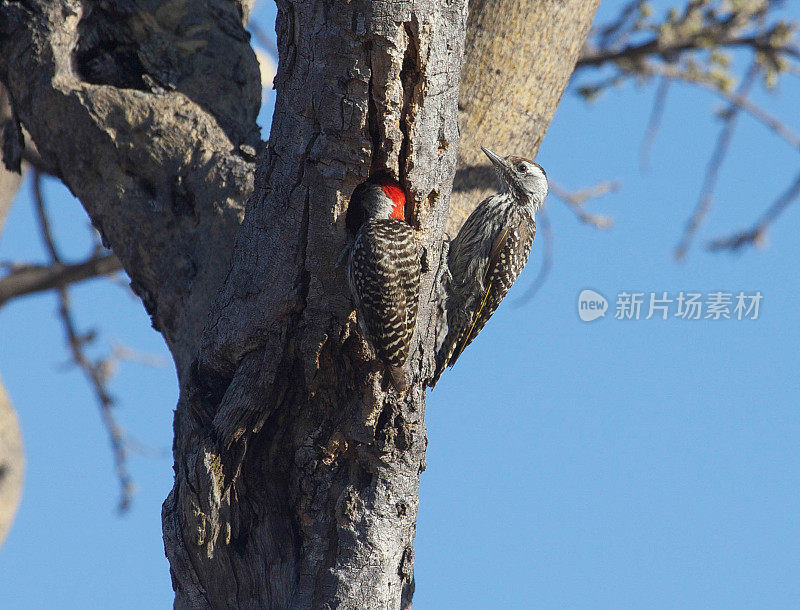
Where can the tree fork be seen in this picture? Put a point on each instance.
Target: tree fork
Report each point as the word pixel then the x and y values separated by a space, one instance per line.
pixel 257 316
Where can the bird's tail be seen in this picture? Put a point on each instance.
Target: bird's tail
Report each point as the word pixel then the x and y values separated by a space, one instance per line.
pixel 398 378
pixel 443 356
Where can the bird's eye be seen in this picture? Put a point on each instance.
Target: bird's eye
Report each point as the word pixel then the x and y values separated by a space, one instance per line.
pixel 521 168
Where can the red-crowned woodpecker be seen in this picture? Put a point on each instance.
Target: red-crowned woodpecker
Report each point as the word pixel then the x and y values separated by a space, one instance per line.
pixel 383 270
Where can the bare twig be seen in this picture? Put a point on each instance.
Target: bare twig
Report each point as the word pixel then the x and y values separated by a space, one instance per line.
pixel 595 57
pixel 29 279
pixel 654 123
pixel 44 220
pixel 702 25
pixel 122 352
pixel 714 164
pixel 97 372
pixel 576 199
pixel 756 235
pixel 695 46
pixel 770 121
pixel 614 34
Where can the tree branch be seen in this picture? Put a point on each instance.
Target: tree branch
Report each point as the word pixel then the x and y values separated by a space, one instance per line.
pixel 594 58
pixel 28 279
pixel 715 163
pixel 700 27
pixel 689 46
pixel 778 127
pixel 158 146
pixel 654 122
pixel 576 199
pixel 96 372
pixel 756 235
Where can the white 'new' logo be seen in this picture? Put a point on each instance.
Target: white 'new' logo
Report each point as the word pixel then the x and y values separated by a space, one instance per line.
pixel 591 305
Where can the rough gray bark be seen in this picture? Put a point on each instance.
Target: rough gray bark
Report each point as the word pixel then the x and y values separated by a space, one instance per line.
pixel 338 452
pixel 162 165
pixel 160 149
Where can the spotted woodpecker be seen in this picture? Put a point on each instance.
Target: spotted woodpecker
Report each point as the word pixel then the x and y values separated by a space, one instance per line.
pixel 383 271
pixel 489 252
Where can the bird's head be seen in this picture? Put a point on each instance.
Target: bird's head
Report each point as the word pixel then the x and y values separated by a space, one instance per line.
pixel 523 178
pixel 393 204
pixel 380 196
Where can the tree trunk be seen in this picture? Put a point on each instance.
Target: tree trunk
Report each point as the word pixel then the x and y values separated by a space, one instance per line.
pixel 323 513
pixel 296 465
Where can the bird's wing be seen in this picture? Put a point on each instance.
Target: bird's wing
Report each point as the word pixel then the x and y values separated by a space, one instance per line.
pixel 409 270
pixel 479 318
pixel 382 295
pixel 507 257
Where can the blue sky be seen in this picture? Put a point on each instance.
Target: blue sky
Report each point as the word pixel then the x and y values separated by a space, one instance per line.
pixel 570 464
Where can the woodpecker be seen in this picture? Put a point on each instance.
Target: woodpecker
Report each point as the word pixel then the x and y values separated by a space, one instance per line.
pixel 383 270
pixel 489 252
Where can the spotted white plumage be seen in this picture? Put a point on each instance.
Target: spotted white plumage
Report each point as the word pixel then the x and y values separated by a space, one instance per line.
pixel 383 273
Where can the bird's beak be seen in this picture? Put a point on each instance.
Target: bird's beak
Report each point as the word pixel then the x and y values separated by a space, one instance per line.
pixel 494 158
pixel 500 164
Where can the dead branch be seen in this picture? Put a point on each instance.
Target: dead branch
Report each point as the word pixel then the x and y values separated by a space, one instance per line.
pixel 576 199
pixel 27 279
pixel 691 46
pixel 715 163
pixel 774 124
pixel 654 122
pixel 97 372
pixel 756 235
pixel 702 26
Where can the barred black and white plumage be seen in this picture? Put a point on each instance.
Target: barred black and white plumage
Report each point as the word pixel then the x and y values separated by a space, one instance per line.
pixel 383 271
pixel 489 253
